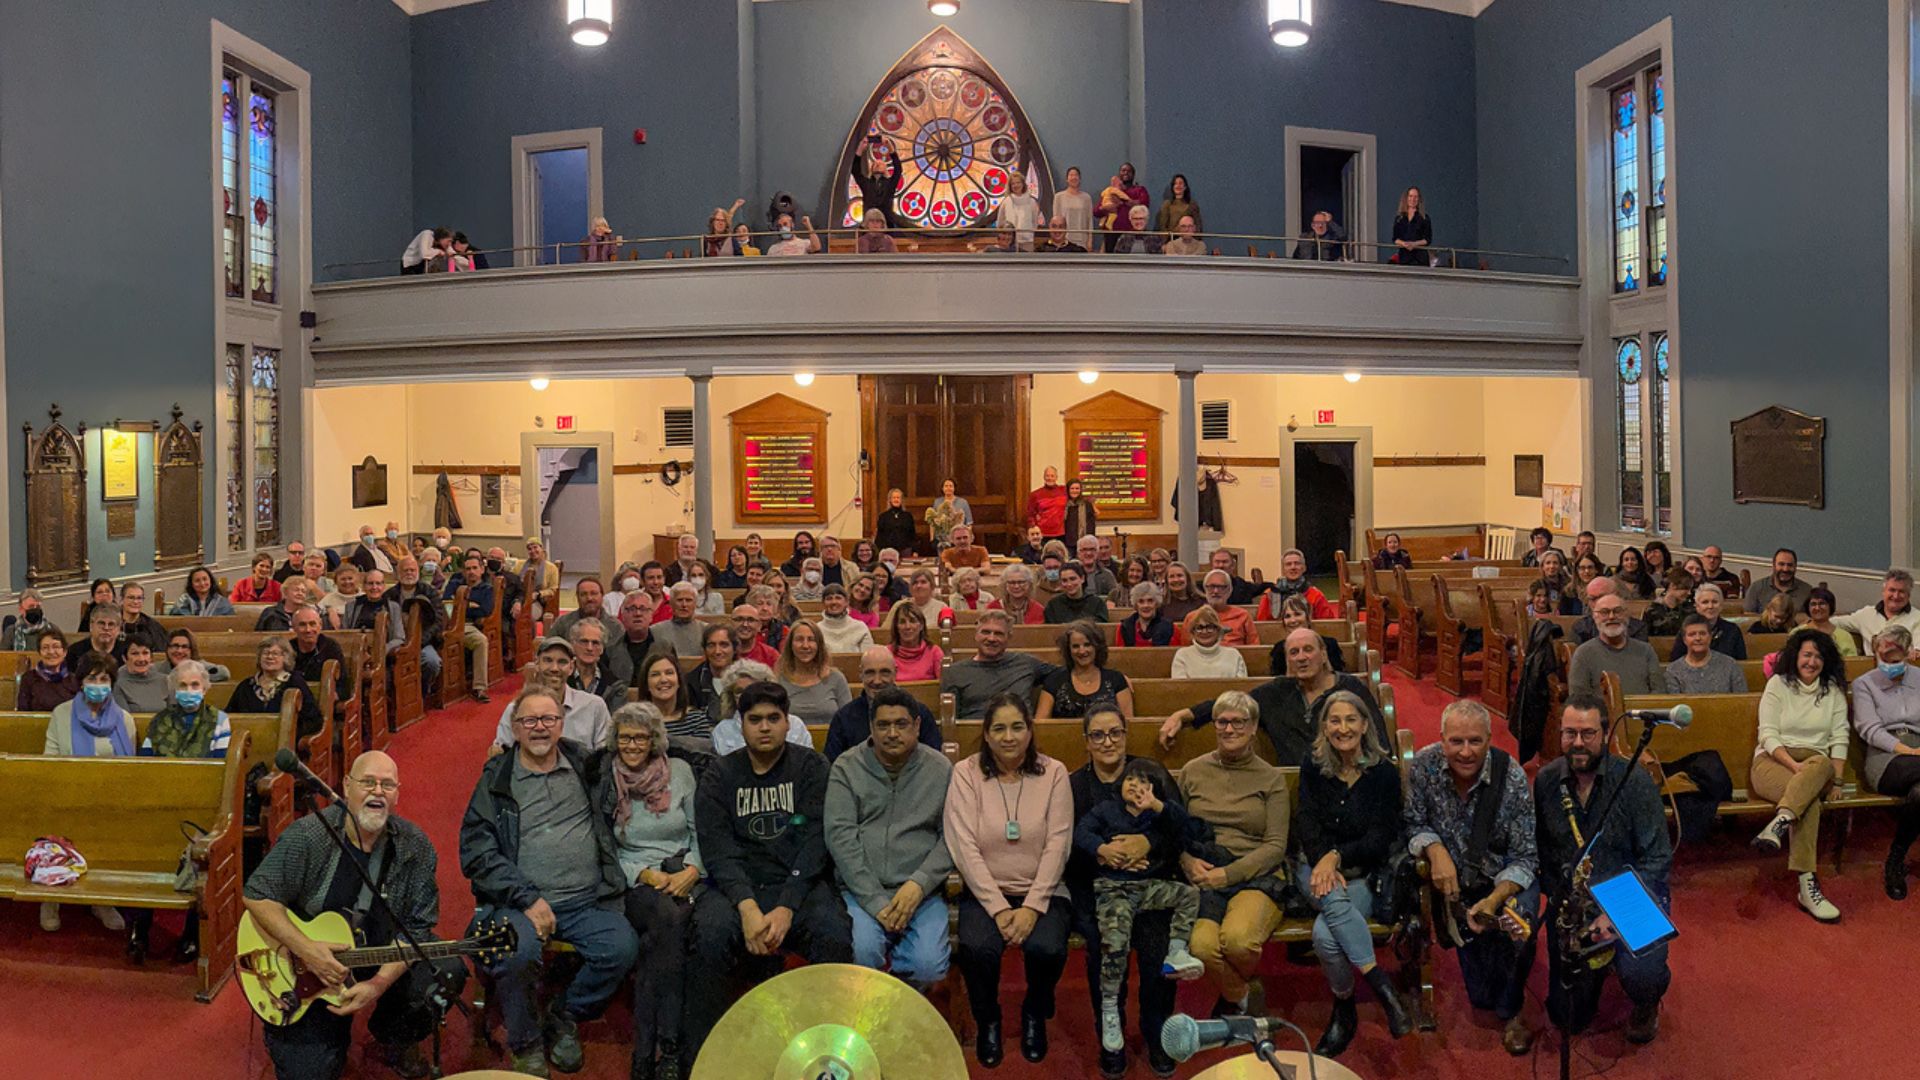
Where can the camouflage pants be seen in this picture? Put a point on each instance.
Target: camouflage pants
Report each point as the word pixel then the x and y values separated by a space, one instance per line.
pixel 1117 900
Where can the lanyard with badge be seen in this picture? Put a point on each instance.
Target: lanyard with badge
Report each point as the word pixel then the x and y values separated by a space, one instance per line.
pixel 1013 823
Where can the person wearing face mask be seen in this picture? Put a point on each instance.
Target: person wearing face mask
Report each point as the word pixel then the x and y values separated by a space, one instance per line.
pixel 188 727
pixel 369 555
pixel 811 572
pixel 1886 715
pixel 790 244
pixel 22 632
pixel 139 686
pixel 92 724
pixel 442 542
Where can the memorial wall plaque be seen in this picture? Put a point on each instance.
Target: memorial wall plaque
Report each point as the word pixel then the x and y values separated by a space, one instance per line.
pixel 779 462
pixel 119 465
pixel 122 520
pixel 176 466
pixel 1779 456
pixel 369 483
pixel 56 475
pixel 1113 449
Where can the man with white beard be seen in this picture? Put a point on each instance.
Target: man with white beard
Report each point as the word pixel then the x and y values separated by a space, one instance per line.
pixel 303 875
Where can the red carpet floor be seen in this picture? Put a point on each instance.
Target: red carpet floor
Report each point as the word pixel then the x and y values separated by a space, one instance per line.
pixel 72 1008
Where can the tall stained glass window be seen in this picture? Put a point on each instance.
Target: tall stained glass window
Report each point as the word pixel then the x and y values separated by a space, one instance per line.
pixel 235 222
pixel 1633 501
pixel 236 443
pixel 1662 414
pixel 265 408
pixel 1657 203
pixel 1627 270
pixel 263 224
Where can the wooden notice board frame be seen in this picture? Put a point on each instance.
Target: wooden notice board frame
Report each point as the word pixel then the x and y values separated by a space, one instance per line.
pixel 1107 415
pixel 778 415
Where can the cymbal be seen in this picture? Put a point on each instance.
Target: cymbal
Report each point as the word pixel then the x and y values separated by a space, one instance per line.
pixel 869 1024
pixel 1250 1067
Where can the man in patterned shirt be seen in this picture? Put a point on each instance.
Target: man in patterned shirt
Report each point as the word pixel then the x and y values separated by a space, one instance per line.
pixel 1483 855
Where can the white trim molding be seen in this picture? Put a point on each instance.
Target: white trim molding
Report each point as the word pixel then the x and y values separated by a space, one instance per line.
pixel 1901 298
pixel 1363 229
pixel 1362 440
pixel 524 147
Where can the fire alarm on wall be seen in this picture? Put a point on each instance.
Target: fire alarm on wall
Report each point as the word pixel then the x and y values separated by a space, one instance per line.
pixel 639 136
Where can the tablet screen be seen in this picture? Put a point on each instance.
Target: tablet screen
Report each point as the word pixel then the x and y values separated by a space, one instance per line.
pixel 1635 914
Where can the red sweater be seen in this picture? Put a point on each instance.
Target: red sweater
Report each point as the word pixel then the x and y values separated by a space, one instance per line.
pixel 1047 508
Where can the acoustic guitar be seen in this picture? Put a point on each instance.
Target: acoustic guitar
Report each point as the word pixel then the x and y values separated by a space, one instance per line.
pixel 281 989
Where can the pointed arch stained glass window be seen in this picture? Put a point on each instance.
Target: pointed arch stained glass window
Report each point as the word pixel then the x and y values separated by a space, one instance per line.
pixel 234 227
pixel 1629 364
pixel 1657 203
pixel 1627 271
pixel 265 407
pixel 262 205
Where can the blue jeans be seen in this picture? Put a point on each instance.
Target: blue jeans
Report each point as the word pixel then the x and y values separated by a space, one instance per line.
pixel 607 947
pixel 1340 935
pixel 1495 968
pixel 429 663
pixel 919 952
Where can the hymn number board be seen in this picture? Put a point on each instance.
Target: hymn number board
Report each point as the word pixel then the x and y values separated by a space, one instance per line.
pixel 1113 449
pixel 779 462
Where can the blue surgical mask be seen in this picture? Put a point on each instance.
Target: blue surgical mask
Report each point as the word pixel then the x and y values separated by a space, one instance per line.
pixel 96 692
pixel 1053 575
pixel 1893 670
pixel 786 232
pixel 188 700
pixel 429 568
pixel 393 534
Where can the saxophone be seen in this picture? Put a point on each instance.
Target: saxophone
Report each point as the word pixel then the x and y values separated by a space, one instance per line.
pixel 1578 909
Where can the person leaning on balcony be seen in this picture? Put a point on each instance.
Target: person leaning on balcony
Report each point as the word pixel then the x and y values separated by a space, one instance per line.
pixel 1186 242
pixel 791 244
pixel 873 238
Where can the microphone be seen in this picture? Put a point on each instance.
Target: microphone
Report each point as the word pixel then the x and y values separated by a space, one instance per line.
pixel 289 762
pixel 1678 717
pixel 1182 1036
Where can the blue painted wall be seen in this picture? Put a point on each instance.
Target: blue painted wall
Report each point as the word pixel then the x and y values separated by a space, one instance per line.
pixel 1220 95
pixel 819 61
pixel 484 73
pixel 1780 183
pixel 105 139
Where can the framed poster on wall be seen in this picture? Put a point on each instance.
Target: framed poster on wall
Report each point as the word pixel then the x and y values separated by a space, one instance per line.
pixel 1560 507
pixel 1113 449
pixel 119 465
pixel 779 462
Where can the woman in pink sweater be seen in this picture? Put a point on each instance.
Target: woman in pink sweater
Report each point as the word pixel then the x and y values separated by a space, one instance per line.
pixel 915 658
pixel 1009 824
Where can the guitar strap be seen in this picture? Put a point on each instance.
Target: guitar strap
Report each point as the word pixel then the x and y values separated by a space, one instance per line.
pixel 377 873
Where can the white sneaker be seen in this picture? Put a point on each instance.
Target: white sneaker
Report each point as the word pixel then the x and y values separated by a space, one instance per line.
pixel 109 918
pixel 1181 964
pixel 1815 902
pixel 1774 836
pixel 1112 1039
pixel 49 916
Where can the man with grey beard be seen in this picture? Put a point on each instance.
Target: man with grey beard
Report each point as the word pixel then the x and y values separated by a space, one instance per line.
pixel 303 875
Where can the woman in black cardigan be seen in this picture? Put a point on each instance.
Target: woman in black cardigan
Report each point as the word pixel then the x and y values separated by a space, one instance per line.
pixel 1348 822
pixel 262 692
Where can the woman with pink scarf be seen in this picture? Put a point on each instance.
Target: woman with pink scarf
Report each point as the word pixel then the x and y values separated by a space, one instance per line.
pixel 649 797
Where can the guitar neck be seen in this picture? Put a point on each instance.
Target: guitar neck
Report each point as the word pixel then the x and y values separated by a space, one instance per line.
pixel 401 954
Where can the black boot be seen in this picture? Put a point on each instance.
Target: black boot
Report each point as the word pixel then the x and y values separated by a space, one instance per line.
pixel 187 949
pixel 1399 1021
pixel 1896 876
pixel 1340 1028
pixel 987 1048
pixel 1033 1037
pixel 137 927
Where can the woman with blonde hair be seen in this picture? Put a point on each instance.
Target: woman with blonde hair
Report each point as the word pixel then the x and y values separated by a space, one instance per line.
pixel 601 245
pixel 720 239
pixel 873 238
pixel 1412 230
pixel 815 688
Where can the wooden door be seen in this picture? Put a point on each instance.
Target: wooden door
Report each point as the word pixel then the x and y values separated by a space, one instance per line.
pixel 918 430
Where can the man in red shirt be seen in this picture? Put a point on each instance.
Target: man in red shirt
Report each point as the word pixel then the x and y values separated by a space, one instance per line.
pixel 747 642
pixel 1047 505
pixel 1236 626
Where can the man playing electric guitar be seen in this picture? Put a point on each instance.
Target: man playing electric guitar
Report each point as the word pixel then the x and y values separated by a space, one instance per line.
pixel 303 875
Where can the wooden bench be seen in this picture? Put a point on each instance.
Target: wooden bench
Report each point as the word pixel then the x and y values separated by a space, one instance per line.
pixel 1752 670
pixel 454 685
pixel 124 815
pixel 497 658
pixel 961 638
pixel 1156 661
pixel 1463 607
pixel 1729 724
pixel 1431 546
pixel 406 691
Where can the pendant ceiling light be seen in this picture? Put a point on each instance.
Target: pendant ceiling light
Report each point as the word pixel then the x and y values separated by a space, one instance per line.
pixel 1290 22
pixel 944 9
pixel 590 22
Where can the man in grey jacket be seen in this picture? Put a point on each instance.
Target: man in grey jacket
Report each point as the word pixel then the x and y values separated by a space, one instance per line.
pixel 885 800
pixel 992 669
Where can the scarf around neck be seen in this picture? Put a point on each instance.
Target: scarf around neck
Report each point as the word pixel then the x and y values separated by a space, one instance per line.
pixel 111 725
pixel 175 734
pixel 652 782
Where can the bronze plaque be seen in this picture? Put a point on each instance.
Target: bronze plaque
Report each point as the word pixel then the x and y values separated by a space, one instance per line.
pixel 1529 472
pixel 176 533
pixel 56 476
pixel 369 483
pixel 120 520
pixel 1779 456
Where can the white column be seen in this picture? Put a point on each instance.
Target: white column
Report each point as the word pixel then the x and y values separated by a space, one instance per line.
pixel 703 469
pixel 1189 465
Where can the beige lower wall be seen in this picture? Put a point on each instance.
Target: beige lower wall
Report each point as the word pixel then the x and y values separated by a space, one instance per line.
pixel 481 424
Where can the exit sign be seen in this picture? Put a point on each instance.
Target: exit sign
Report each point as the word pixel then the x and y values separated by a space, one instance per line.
pixel 565 423
pixel 1320 416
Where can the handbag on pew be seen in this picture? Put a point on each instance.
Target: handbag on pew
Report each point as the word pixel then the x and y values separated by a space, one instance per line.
pixel 1396 887
pixel 187 876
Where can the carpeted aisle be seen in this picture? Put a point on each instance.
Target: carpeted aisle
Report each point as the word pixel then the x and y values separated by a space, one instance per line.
pixel 73 1009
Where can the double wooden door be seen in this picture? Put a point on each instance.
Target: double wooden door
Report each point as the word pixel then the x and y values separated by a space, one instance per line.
pixel 920 430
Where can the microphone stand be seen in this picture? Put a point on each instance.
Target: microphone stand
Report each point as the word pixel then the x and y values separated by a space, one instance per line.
pixel 441 997
pixel 1579 899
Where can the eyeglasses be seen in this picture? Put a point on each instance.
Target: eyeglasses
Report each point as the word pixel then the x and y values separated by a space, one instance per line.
pixel 1233 723
pixel 545 720
pixel 371 784
pixel 633 738
pixel 1107 737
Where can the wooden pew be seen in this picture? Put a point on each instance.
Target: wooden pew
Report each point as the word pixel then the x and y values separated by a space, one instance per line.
pixel 408 697
pixel 1463 607
pixel 454 685
pixel 491 626
pixel 1431 546
pixel 962 638
pixel 1752 670
pixel 1153 661
pixel 124 815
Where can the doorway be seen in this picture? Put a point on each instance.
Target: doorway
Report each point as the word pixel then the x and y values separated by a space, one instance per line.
pixel 556 195
pixel 918 430
pixel 1328 182
pixel 1326 492
pixel 567 498
pixel 1334 171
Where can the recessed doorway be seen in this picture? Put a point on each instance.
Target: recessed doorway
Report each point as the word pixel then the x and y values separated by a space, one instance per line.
pixel 1326 492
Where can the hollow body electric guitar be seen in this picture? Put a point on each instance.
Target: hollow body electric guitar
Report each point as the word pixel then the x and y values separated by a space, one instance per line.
pixel 281 989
